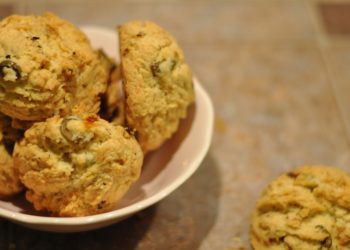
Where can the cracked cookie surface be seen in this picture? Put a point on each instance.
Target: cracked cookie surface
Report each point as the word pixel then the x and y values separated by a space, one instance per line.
pixel 77 165
pixel 306 209
pixel 47 67
pixel 9 179
pixel 157 82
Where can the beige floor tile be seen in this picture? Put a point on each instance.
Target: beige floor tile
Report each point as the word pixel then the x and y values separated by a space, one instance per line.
pixel 195 22
pixel 338 60
pixel 335 49
pixel 275 110
pixel 335 17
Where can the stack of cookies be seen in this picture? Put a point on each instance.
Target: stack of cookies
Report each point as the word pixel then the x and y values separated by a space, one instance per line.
pixel 71 136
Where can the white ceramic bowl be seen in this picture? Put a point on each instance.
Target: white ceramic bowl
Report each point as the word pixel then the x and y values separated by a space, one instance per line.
pixel 163 171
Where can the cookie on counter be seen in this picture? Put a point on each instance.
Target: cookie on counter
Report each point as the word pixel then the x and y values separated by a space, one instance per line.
pixel 157 82
pixel 77 165
pixel 9 179
pixel 306 209
pixel 47 67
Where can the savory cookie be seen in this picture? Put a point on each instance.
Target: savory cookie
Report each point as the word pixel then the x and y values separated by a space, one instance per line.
pixel 9 180
pixel 47 67
pixel 77 165
pixel 306 209
pixel 157 82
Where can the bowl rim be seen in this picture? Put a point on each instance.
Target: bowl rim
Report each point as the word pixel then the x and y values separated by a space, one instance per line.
pixel 137 206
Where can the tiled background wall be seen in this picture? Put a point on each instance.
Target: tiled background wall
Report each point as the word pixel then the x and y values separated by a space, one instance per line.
pixel 278 74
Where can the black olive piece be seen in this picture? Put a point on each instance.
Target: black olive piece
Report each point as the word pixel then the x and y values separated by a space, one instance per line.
pixel 11 65
pixel 155 69
pixel 327 243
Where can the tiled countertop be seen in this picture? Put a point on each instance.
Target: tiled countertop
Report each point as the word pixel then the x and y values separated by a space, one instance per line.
pixel 278 74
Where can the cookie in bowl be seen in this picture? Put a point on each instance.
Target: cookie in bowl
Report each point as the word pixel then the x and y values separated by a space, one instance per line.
pixel 77 165
pixel 157 82
pixel 9 179
pixel 306 209
pixel 47 68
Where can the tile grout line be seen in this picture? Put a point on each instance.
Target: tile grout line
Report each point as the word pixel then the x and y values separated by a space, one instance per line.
pixel 332 76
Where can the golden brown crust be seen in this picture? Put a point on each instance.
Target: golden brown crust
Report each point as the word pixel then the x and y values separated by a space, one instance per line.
pixel 47 67
pixel 157 82
pixel 306 209
pixel 77 165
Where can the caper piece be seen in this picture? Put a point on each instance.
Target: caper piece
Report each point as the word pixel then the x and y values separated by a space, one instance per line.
pixel 78 133
pixel 64 130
